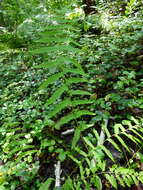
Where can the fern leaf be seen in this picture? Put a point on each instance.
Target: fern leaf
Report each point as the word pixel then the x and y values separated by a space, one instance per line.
pixel 79 92
pixel 56 94
pixel 50 80
pixel 104 126
pixel 88 142
pixel 76 137
pixel 47 39
pixel 135 180
pixel 65 103
pixel 75 80
pixel 56 48
pixel 74 71
pixel 98 183
pixel 72 116
pixel 117 128
pixel 134 131
pixel 126 181
pixel 121 181
pixel 96 135
pixel 114 144
pixel 122 142
pixel 81 102
pixel 132 138
pixel 107 152
pixel 112 180
pixel 56 63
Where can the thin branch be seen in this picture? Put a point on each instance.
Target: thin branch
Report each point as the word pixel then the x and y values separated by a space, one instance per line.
pixel 57 174
pixel 68 132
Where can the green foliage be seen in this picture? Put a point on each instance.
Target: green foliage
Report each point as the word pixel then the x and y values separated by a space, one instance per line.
pixel 71 91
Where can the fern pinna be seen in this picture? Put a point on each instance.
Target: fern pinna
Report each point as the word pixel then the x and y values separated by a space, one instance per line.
pixel 57 42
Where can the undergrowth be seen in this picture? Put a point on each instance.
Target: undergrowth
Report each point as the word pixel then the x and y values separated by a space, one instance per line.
pixel 74 97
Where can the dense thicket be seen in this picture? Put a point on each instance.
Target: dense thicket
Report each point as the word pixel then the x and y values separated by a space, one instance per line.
pixel 71 95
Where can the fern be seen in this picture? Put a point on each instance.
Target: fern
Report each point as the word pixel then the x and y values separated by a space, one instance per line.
pixel 115 175
pixel 57 39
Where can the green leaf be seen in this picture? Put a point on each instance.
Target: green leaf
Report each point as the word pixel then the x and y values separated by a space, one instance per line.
pixel 56 95
pixel 75 80
pixel 57 109
pixel 132 138
pixel 134 131
pixel 121 181
pixel 50 80
pixel 96 135
pixel 126 181
pixel 89 143
pixel 68 184
pixel 104 126
pixel 46 184
pixel 76 137
pixel 122 142
pixel 114 144
pixel 98 182
pixel 74 71
pixel 112 180
pixel 81 102
pixel 71 116
pixel 55 49
pixel 107 152
pixel 79 92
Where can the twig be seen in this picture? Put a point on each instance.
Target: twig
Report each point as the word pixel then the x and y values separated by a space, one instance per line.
pixel 68 132
pixel 57 174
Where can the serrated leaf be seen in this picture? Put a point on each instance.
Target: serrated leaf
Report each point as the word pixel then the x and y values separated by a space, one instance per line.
pixel 74 71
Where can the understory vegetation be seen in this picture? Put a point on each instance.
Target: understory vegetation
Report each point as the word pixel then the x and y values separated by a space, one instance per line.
pixel 71 95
